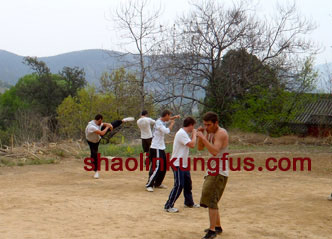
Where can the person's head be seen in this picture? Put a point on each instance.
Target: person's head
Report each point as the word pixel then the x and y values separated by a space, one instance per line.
pixel 189 124
pixel 210 121
pixel 166 115
pixel 98 119
pixel 144 113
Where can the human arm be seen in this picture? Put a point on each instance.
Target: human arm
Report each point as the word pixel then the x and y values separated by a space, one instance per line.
pixel 175 117
pixel 102 132
pixel 200 145
pixel 192 143
pixel 220 142
pixel 162 128
pixel 110 126
pixel 152 121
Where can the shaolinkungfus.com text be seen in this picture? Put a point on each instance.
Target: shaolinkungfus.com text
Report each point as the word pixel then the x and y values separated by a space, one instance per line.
pixel 212 164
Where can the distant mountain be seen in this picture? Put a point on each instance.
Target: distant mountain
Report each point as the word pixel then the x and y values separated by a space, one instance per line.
pixel 94 63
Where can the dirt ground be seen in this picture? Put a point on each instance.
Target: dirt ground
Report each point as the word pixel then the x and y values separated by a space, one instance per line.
pixel 64 201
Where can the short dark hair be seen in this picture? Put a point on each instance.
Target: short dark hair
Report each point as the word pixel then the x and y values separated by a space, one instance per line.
pixel 144 112
pixel 98 117
pixel 210 116
pixel 165 112
pixel 188 121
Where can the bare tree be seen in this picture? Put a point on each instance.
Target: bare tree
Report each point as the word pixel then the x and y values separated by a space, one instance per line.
pixel 139 26
pixel 201 39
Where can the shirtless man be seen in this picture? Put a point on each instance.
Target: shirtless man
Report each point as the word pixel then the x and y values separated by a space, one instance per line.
pixel 215 139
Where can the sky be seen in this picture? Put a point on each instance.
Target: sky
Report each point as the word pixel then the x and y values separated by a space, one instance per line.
pixel 51 27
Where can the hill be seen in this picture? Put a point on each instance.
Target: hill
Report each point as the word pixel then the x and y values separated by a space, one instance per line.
pixel 94 62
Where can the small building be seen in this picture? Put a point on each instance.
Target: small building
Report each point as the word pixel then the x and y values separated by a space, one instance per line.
pixel 314 119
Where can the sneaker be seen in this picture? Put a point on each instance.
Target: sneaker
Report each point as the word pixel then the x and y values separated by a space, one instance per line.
pixel 172 209
pixel 210 234
pixel 149 189
pixel 218 230
pixel 192 206
pixel 96 176
pixel 330 197
pixel 162 186
pixel 128 119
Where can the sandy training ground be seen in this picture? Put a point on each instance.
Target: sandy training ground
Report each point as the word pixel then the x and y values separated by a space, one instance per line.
pixel 64 201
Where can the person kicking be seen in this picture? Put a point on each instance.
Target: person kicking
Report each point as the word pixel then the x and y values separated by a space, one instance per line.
pixel 93 132
pixel 157 151
pixel 216 142
pixel 182 179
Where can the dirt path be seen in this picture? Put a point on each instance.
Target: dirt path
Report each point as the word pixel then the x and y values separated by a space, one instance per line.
pixel 64 201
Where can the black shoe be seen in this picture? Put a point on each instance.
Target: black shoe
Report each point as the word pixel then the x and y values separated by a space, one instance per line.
pixel 209 235
pixel 218 230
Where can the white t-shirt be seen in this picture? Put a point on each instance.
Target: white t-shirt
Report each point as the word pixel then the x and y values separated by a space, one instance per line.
pixel 90 130
pixel 159 132
pixel 144 124
pixel 180 150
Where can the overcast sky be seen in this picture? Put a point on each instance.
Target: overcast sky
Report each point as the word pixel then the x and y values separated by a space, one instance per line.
pixel 51 27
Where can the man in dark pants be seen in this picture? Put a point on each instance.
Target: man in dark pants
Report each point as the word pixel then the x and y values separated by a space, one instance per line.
pixel 93 132
pixel 182 178
pixel 157 151
pixel 144 124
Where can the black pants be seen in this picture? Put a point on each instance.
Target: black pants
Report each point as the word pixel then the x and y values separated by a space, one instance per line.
pixel 115 124
pixel 182 181
pixel 158 171
pixel 94 146
pixel 94 153
pixel 146 143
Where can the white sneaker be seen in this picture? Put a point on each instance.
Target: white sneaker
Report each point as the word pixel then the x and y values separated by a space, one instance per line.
pixel 96 176
pixel 149 189
pixel 162 186
pixel 172 210
pixel 193 206
pixel 330 197
pixel 128 119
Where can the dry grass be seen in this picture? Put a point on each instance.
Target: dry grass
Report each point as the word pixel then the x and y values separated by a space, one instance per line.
pixel 237 137
pixel 41 153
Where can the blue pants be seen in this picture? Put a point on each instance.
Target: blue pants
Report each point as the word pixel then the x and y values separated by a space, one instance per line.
pixel 182 180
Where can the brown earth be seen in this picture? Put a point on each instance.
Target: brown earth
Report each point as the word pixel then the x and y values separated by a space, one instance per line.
pixel 64 201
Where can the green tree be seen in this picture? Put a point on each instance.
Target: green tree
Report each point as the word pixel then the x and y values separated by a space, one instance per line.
pixel 74 79
pixel 75 112
pixel 10 103
pixel 125 88
pixel 240 75
pixel 261 111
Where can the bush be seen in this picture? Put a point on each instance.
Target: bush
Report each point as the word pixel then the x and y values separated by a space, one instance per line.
pixel 4 138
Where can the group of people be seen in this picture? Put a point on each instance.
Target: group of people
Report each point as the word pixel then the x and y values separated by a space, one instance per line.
pixel 211 136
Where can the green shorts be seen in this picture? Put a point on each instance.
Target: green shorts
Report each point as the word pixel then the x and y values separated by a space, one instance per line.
pixel 213 188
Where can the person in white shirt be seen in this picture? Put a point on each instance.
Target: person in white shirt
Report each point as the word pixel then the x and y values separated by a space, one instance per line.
pixel 182 179
pixel 157 151
pixel 93 132
pixel 144 124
